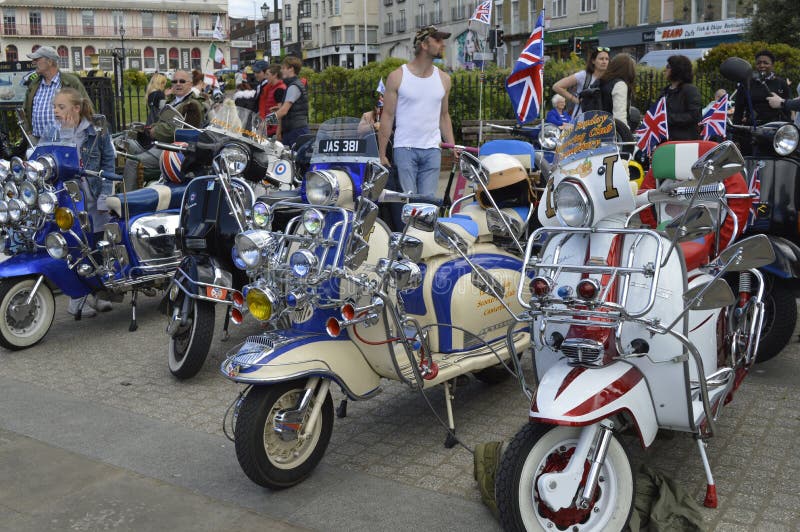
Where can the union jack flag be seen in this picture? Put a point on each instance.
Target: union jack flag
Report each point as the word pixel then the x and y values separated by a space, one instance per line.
pixel 483 13
pixel 754 189
pixel 654 127
pixel 524 85
pixel 715 119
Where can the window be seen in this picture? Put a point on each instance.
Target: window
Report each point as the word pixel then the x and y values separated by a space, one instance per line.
pixel 118 20
pixel 106 63
pixel 514 16
pixel 588 6
pixel 336 6
pixel 304 9
pixel 196 58
pixel 87 21
pixel 174 59
pixel 559 8
pixel 305 31
pixel 316 9
pixel 436 14
pixel 35 21
pixel 287 11
pixel 63 57
pixel 532 14
pixel 287 33
pixel 61 21
pixel 9 24
pixel 349 34
pixel 336 34
pixel 149 58
pixel 88 52
pixel 147 24
pixel 172 24
pixel 388 26
pixel 401 24
pixel 372 35
pixel 644 8
pixel 11 53
pixel 194 22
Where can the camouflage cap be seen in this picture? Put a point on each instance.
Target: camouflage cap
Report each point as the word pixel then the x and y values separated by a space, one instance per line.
pixel 429 31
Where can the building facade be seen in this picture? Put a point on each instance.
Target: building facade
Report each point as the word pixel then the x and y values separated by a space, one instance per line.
pixel 156 35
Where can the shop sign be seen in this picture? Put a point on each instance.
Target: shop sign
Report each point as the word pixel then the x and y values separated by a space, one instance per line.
pixel 701 30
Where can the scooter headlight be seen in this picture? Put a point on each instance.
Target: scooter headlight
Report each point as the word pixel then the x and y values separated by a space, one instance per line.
pixel 34 171
pixel 786 139
pixel 573 206
pixel 313 221
pixel 261 302
pixel 254 245
pixel 28 193
pixel 5 169
pixel 15 209
pixel 322 188
pixel 49 168
pixel 262 215
pixel 303 262
pixel 10 190
pixel 17 169
pixel 65 219
pixel 3 212
pixel 47 202
pixel 56 245
pixel 236 158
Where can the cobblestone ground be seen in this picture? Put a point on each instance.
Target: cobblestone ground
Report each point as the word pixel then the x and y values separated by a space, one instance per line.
pixel 395 435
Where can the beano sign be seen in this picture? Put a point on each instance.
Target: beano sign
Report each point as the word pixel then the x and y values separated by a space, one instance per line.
pixel 704 29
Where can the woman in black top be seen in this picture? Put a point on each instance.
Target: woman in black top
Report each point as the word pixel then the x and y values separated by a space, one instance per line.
pixel 684 106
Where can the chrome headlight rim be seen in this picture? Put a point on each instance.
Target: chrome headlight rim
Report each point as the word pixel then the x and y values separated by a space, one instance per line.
pixel 10 190
pixel 269 298
pixel 4 218
pixel 262 215
pixel 29 194
pixel 56 245
pixel 15 209
pixel 5 169
pixel 236 157
pixel 50 167
pixel 47 202
pixel 322 188
pixel 34 172
pixel 302 263
pixel 253 246
pixel 786 139
pixel 313 221
pixel 566 213
pixel 17 169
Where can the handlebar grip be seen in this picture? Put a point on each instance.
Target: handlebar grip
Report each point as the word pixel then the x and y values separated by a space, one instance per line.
pixel 448 146
pixel 169 147
pixel 105 175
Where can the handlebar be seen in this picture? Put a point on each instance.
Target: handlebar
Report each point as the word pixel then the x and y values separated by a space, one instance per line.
pixel 170 147
pixel 447 146
pixel 391 196
pixel 105 175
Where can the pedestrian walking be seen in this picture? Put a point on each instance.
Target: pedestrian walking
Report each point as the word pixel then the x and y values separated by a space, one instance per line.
pixel 684 106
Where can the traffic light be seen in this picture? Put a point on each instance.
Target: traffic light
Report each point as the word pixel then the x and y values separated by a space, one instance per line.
pixel 492 39
pixel 578 47
pixel 499 38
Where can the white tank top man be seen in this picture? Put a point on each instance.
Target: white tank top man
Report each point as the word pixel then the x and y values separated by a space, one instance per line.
pixel 416 99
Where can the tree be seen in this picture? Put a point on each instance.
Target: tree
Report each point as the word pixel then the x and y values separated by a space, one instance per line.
pixel 775 21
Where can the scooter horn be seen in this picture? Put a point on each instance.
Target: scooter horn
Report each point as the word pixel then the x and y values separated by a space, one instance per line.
pixel 352 315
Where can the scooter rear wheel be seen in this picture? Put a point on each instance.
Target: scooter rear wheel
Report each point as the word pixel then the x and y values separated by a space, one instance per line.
pixel 188 348
pixel 22 326
pixel 539 448
pixel 268 459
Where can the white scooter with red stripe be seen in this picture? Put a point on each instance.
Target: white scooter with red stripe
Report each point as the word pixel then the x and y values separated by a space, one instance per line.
pixel 629 331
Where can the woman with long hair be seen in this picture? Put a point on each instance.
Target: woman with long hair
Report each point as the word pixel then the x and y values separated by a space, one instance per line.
pixel 684 106
pixel 155 96
pixel 571 86
pixel 617 85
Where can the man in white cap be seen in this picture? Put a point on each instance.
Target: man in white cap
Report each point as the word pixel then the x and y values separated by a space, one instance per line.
pixel 416 95
pixel 39 98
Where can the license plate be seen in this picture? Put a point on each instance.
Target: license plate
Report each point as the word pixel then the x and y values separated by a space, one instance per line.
pixel 341 146
pixel 216 293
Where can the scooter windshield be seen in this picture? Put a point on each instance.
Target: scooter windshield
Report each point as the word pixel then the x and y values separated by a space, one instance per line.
pixel 237 122
pixel 590 133
pixel 340 139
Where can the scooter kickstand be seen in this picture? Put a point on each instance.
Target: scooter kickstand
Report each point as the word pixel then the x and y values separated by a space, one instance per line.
pixel 133 326
pixel 450 441
pixel 225 334
pixel 711 488
pixel 341 410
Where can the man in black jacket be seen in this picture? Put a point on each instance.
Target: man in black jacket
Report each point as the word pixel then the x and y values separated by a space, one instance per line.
pixel 684 106
pixel 763 84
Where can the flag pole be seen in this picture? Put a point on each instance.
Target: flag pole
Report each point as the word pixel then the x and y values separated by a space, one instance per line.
pixel 481 83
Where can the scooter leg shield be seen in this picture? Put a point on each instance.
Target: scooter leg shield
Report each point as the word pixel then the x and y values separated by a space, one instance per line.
pixel 580 396
pixel 55 272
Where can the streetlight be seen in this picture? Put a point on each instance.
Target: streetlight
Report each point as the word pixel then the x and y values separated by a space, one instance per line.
pixel 264 14
pixel 121 75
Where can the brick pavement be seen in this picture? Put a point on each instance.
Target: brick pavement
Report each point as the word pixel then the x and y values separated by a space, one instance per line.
pixel 395 437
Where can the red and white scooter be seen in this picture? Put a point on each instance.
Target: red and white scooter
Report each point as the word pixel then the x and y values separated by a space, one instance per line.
pixel 631 328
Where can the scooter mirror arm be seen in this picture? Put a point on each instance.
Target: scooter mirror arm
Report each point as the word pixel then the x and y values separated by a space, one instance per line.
pixel 458 202
pixel 685 215
pixel 505 222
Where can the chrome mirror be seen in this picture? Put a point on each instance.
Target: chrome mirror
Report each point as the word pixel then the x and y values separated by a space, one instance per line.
pixel 448 238
pixel 499 223
pixel 83 219
pixel 375 182
pixel 405 275
pixel 366 214
pixel 358 252
pixel 486 282
pixel 716 294
pixel 752 252
pixel 472 169
pixel 410 247
pixel 696 222
pixel 73 189
pixel 719 163
pixel 421 216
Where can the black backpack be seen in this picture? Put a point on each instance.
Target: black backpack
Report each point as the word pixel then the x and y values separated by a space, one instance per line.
pixel 590 97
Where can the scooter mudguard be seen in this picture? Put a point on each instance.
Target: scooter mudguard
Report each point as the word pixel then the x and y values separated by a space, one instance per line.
pixel 580 396
pixel 55 272
pixel 787 258
pixel 292 354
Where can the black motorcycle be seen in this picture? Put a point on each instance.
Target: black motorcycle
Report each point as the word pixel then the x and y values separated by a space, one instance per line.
pixel 775 164
pixel 250 172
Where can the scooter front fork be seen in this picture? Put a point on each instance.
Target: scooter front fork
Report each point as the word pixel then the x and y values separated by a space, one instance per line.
pixel 289 424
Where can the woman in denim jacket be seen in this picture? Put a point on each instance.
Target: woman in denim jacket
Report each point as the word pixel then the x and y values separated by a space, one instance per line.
pixel 74 114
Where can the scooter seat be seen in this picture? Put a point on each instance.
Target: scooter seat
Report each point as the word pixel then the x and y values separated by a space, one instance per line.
pixel 152 198
pixel 464 227
pixel 697 252
pixel 274 196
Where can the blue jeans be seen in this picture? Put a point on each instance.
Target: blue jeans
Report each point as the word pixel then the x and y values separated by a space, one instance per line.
pixel 418 170
pixel 289 137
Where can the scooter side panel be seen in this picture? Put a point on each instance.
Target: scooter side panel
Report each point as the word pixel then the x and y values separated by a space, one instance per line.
pixel 296 354
pixel 579 396
pixel 54 270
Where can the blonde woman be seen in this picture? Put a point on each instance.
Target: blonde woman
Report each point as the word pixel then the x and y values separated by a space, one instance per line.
pixel 155 96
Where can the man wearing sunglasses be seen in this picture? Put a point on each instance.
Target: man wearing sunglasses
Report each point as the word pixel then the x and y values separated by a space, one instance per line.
pixel 184 101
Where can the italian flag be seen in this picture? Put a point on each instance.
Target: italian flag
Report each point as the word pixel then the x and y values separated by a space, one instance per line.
pixel 216 54
pixel 674 160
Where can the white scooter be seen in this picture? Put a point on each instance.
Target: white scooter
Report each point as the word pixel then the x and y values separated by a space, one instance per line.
pixel 631 328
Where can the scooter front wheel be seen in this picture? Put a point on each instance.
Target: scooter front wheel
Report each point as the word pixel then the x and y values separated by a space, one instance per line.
pixel 274 459
pixel 780 319
pixel 23 324
pixel 188 348
pixel 538 449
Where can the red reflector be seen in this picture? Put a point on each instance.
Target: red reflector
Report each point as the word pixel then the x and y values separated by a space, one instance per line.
pixel 236 316
pixel 587 289
pixel 540 286
pixel 348 312
pixel 332 327
pixel 238 299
